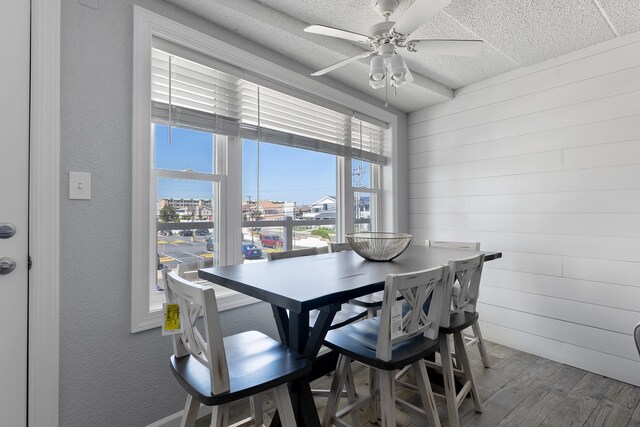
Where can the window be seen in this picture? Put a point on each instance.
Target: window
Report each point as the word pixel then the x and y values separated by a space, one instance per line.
pixel 220 152
pixel 288 199
pixel 364 185
pixel 187 203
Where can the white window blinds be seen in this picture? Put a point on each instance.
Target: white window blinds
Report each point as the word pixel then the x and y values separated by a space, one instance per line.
pixel 191 95
pixel 188 94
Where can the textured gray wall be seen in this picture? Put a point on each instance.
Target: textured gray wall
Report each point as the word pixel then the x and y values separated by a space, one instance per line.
pixel 109 376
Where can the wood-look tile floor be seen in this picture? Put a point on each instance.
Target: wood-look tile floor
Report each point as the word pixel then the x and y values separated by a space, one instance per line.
pixel 519 389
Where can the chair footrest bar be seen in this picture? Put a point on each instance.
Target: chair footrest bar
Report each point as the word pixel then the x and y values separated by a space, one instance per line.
pixel 402 371
pixel 407 385
pixel 439 397
pixel 247 422
pixel 353 406
pixel 339 423
pixel 412 408
pixel 438 368
pixel 466 388
pixel 327 393
pixel 471 340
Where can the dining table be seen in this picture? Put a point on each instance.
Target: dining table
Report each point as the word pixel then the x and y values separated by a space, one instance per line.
pixel 295 286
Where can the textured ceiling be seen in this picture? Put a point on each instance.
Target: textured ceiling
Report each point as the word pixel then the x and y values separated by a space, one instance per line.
pixel 517 33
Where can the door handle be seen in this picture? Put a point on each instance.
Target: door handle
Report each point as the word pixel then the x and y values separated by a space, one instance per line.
pixel 7 230
pixel 7 265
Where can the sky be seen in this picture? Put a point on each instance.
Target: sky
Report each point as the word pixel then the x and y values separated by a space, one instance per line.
pixel 286 174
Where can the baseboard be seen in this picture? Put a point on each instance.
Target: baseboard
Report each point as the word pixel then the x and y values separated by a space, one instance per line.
pixel 173 420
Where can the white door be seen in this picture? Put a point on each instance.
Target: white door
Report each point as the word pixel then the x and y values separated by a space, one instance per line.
pixel 14 173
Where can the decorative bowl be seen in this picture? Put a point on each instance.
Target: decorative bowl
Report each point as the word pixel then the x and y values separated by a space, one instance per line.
pixel 379 246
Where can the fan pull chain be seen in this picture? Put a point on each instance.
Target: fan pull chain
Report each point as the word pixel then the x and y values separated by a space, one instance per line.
pixel 386 91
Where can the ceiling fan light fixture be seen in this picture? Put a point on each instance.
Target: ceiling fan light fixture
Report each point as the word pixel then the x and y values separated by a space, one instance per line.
pixel 377 69
pixel 398 68
pixel 376 85
pixel 388 37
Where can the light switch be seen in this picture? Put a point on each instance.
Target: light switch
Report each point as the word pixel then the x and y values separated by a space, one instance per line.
pixel 79 186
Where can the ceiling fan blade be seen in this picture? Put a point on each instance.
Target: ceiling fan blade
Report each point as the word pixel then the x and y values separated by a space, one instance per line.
pixel 342 63
pixel 446 47
pixel 336 32
pixel 417 14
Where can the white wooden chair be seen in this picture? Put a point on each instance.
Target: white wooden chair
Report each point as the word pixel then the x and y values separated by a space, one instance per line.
pixel 453 245
pixel 372 302
pixel 273 256
pixel 347 313
pixel 464 279
pixel 476 337
pixel 217 371
pixel 339 247
pixel 188 268
pixel 390 342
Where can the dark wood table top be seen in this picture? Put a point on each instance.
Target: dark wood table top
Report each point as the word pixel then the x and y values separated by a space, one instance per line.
pixel 305 283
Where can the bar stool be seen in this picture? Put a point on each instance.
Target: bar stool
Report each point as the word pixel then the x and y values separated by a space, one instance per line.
pixel 217 371
pixel 476 338
pixel 347 314
pixel 390 342
pixel 464 278
pixel 371 302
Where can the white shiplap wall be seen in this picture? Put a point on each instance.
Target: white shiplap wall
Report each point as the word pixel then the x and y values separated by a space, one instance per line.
pixel 543 164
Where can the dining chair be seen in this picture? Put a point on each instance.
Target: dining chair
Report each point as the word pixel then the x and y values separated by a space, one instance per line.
pixel 371 302
pixel 339 247
pixel 347 314
pixel 217 371
pixel 392 341
pixel 469 339
pixel 188 268
pixel 464 280
pixel 453 245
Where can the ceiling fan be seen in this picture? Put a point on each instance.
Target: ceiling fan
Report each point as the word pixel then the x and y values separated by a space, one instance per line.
pixel 390 36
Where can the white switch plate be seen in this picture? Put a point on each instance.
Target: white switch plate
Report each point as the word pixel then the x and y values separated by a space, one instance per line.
pixel 79 186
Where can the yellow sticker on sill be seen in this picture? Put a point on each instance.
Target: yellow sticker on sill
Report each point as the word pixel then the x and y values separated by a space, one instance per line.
pixel 171 324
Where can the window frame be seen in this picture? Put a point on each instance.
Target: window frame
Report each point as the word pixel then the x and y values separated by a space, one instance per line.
pixel 374 195
pixel 148 25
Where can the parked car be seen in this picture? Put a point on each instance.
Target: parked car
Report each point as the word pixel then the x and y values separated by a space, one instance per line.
pixel 166 233
pixel 185 233
pixel 202 232
pixel 210 243
pixel 251 252
pixel 271 241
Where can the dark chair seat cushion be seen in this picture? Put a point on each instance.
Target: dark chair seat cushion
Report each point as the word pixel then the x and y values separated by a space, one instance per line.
pixel 358 341
pixel 459 322
pixel 256 363
pixel 373 300
pixel 347 314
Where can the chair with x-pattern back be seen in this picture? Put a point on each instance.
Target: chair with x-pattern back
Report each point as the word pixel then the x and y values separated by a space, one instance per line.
pixel 475 338
pixel 391 341
pixel 217 371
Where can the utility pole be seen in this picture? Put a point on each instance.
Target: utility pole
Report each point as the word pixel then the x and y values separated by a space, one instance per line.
pixel 250 217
